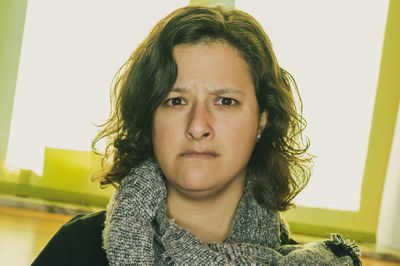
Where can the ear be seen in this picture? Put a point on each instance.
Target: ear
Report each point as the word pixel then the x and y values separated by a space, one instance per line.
pixel 263 121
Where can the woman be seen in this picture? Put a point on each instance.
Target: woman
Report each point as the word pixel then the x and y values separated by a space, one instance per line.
pixel 207 149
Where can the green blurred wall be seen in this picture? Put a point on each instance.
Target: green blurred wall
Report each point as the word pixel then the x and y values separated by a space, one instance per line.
pixel 225 3
pixel 67 178
pixel 12 19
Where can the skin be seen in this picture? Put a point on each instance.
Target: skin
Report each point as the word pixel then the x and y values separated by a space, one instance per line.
pixel 203 135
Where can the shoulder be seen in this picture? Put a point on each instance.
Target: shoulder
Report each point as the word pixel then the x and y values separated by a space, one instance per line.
pixel 88 222
pixel 78 242
pixel 87 228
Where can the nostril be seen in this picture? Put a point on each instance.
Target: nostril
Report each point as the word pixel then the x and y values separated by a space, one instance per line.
pixel 206 134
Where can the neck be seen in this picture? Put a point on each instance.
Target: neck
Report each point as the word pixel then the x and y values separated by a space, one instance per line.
pixel 210 219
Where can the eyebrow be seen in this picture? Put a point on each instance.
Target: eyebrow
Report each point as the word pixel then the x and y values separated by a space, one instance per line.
pixel 214 92
pixel 178 90
pixel 227 90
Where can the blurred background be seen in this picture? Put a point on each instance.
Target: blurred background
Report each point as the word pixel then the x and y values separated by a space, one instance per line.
pixel 57 61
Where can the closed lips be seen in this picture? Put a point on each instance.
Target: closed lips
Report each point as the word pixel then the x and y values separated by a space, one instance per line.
pixel 202 153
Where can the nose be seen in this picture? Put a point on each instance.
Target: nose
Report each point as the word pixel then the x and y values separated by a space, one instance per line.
pixel 199 127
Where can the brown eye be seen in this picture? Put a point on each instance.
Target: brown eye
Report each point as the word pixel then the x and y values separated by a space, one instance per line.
pixel 226 101
pixel 174 101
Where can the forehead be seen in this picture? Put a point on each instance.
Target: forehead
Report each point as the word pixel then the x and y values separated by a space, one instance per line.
pixel 218 50
pixel 212 64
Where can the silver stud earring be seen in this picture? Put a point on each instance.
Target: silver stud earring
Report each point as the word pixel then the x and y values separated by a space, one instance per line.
pixel 258 136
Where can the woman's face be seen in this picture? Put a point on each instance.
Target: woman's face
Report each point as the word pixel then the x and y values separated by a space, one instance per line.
pixel 205 130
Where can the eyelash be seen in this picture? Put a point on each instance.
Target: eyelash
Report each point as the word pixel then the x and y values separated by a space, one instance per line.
pixel 234 102
pixel 168 102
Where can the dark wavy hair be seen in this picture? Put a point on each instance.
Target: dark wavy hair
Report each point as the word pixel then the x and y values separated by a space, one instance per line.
pixel 279 160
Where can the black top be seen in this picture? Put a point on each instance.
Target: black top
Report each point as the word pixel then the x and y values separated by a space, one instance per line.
pixel 78 242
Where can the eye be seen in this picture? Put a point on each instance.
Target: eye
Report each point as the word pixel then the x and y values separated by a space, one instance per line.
pixel 174 101
pixel 226 101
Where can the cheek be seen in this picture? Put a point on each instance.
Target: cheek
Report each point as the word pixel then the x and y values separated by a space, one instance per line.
pixel 239 135
pixel 244 133
pixel 165 131
pixel 242 125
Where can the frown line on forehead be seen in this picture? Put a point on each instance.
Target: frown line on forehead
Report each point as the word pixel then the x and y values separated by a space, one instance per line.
pixel 213 92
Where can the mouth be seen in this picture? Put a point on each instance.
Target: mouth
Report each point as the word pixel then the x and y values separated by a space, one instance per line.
pixel 199 154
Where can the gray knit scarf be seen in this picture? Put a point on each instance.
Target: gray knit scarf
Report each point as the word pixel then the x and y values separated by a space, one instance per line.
pixel 137 232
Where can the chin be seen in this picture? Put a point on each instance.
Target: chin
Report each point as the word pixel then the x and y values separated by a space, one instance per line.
pixel 196 182
pixel 195 185
pixel 198 193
